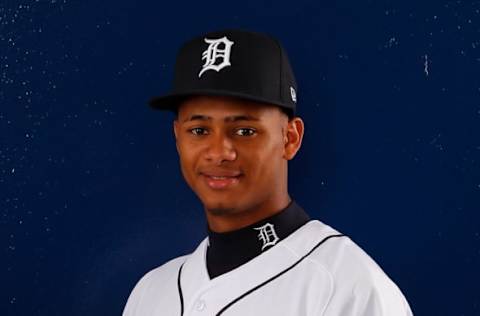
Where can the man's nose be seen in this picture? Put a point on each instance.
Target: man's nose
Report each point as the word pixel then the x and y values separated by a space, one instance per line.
pixel 220 148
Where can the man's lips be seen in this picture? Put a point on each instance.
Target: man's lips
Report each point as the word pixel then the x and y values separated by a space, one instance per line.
pixel 220 180
pixel 221 173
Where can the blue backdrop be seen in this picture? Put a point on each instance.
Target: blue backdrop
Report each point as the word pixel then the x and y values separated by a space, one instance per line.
pixel 91 194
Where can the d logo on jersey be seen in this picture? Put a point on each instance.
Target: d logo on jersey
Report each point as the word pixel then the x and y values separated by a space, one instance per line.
pixel 267 235
pixel 217 54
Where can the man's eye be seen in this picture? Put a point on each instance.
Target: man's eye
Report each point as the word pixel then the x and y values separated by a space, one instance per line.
pixel 199 131
pixel 195 130
pixel 251 131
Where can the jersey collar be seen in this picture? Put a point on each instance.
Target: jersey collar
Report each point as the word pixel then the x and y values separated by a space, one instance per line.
pixel 195 281
pixel 226 251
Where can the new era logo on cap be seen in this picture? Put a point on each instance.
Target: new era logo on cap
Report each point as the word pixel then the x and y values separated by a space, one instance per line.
pixel 293 94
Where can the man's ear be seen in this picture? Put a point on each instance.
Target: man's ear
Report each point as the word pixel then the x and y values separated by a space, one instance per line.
pixel 175 123
pixel 294 136
pixel 175 132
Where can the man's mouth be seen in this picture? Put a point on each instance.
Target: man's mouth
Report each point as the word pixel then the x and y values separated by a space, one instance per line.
pixel 220 182
pixel 217 178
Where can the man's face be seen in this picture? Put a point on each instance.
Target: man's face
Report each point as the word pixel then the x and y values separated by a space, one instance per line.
pixel 210 141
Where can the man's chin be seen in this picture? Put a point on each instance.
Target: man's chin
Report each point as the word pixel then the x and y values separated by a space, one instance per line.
pixel 219 206
pixel 219 211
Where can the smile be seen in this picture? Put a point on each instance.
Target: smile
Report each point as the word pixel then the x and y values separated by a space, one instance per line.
pixel 220 182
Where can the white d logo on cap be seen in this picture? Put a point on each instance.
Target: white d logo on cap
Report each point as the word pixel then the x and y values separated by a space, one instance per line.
pixel 213 52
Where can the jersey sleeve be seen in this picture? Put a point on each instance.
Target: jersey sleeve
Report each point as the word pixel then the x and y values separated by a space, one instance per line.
pixel 369 301
pixel 371 296
pixel 153 286
pixel 133 303
pixel 359 285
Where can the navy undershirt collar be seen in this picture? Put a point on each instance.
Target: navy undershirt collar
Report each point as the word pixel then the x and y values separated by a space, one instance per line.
pixel 226 251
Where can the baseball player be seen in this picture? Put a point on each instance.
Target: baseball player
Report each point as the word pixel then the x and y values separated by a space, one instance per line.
pixel 234 98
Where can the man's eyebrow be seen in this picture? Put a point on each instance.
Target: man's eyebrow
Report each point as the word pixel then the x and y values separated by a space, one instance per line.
pixel 233 118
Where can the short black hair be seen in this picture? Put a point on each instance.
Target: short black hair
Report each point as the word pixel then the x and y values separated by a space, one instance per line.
pixel 288 112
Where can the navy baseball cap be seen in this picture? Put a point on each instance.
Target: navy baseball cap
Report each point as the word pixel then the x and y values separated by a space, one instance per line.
pixel 237 63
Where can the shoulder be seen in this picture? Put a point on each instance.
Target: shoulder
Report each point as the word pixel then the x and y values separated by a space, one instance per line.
pixel 341 256
pixel 359 284
pixel 162 273
pixel 157 280
pixel 338 254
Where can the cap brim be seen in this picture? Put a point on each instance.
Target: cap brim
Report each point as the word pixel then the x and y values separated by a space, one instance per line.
pixel 171 101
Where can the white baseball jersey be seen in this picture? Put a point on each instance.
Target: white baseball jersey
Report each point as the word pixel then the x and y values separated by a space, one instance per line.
pixel 315 271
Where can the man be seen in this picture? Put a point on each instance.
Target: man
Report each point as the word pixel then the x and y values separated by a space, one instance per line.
pixel 235 101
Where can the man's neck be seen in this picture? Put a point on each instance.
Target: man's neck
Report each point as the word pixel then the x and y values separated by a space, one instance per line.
pixel 229 250
pixel 227 220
